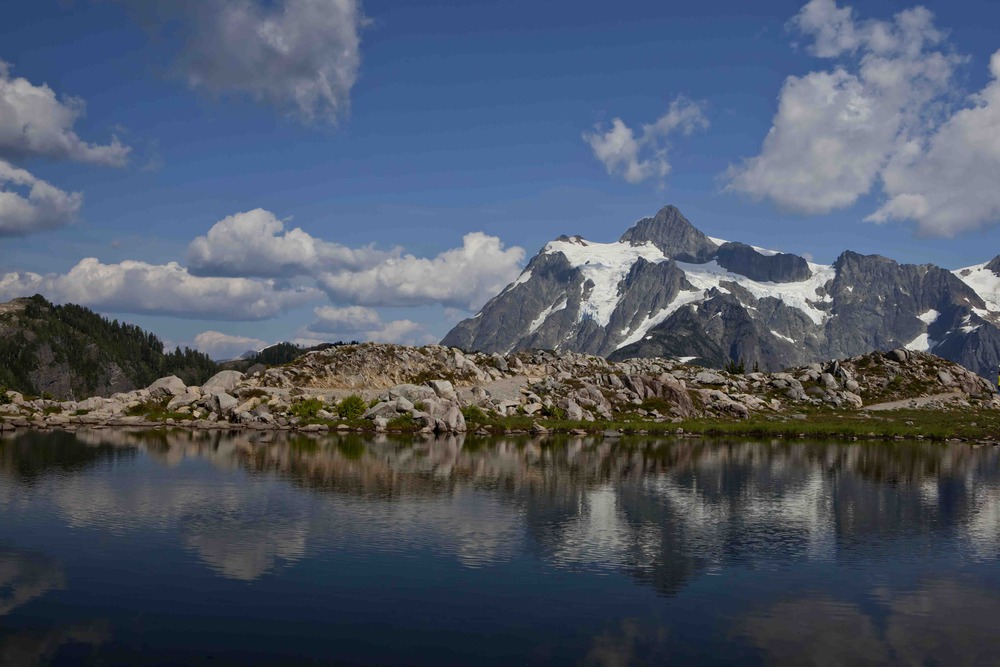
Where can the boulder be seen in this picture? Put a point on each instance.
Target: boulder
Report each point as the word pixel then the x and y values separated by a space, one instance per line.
pixel 168 386
pixel 386 409
pixel 222 382
pixel 183 400
pixel 573 410
pixel 453 421
pixel 411 392
pixel 708 377
pixel 90 404
pixel 223 404
pixel 444 390
pixel 900 355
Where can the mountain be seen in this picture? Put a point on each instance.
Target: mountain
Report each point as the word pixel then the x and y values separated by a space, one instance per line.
pixel 666 289
pixel 71 352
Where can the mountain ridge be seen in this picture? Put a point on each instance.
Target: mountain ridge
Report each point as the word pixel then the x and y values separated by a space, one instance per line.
pixel 665 288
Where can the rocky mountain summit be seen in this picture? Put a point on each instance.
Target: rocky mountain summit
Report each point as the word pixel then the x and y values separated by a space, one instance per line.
pixel 438 389
pixel 665 289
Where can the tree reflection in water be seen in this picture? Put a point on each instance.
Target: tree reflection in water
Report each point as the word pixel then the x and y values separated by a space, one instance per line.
pixel 665 514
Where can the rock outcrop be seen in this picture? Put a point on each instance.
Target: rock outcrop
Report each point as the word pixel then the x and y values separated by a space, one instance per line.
pixel 433 388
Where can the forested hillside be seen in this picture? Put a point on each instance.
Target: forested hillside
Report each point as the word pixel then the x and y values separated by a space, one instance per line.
pixel 72 352
pixel 279 353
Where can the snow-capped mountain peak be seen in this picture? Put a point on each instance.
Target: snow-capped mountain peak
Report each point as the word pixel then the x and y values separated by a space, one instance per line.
pixel 666 289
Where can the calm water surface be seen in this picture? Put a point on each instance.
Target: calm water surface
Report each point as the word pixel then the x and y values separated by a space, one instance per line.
pixel 126 548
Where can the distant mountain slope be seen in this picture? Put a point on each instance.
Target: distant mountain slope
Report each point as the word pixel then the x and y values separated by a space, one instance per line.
pixel 277 354
pixel 666 289
pixel 71 352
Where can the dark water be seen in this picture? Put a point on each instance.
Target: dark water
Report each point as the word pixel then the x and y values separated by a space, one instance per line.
pixel 120 548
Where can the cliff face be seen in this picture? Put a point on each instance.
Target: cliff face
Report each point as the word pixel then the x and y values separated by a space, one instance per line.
pixel 667 289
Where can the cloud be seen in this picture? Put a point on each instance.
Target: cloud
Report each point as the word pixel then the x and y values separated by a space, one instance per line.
pixel 836 130
pixel 300 56
pixel 219 345
pixel 350 319
pixel 464 277
pixel 353 321
pixel 158 289
pixel 947 183
pixel 256 243
pixel 636 159
pixel 33 122
pixel 44 207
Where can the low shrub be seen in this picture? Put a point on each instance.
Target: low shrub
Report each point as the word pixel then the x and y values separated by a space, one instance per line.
pixel 352 407
pixel 255 392
pixel 306 409
pixel 474 415
pixel 553 412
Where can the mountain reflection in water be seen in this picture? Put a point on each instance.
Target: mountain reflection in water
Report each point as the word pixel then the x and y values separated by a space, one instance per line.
pixel 566 550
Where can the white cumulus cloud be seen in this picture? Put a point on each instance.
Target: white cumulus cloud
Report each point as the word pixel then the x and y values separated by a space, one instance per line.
pixel 29 204
pixel 638 158
pixel 34 122
pixel 301 56
pixel 464 277
pixel 948 182
pixel 220 345
pixel 256 243
pixel 836 130
pixel 159 289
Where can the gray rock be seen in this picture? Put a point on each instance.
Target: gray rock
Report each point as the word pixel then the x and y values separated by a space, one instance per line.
pixel 708 377
pixel 898 354
pixel 411 392
pixel 167 386
pixel 828 381
pixel 453 421
pixel 223 381
pixel 183 400
pixel 223 404
pixel 573 411
pixel 385 409
pixel 444 390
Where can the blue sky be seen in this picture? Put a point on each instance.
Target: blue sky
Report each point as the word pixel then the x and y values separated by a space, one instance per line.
pixel 411 125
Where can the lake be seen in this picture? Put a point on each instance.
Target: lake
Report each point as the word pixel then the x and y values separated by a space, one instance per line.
pixel 275 548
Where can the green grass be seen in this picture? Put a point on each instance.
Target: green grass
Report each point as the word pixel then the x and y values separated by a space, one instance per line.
pixel 402 422
pixel 908 424
pixel 157 411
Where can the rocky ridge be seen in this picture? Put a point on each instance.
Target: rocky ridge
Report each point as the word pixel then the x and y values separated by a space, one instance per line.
pixel 434 388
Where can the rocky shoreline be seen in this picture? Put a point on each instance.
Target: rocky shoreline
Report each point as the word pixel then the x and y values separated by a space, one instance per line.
pixel 437 389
